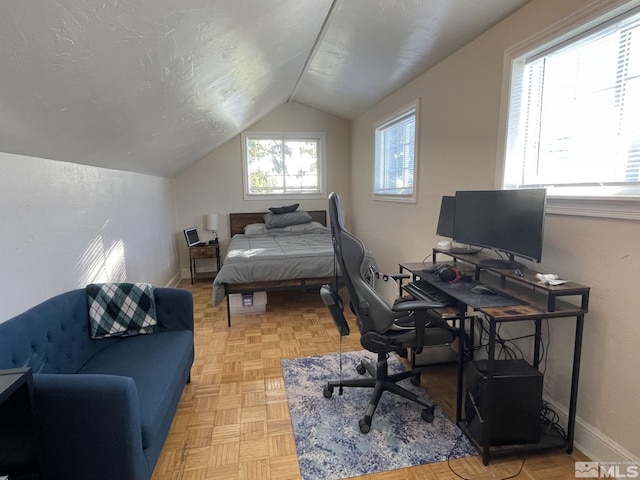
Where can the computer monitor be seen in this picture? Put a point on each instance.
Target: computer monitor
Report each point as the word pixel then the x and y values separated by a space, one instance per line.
pixel 445 225
pixel 445 220
pixel 509 221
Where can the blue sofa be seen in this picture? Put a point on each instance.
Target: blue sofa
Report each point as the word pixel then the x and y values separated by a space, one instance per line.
pixel 103 407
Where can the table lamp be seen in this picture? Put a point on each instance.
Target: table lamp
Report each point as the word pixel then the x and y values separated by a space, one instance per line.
pixel 212 225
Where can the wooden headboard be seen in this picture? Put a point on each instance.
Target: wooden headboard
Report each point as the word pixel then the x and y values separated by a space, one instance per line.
pixel 237 221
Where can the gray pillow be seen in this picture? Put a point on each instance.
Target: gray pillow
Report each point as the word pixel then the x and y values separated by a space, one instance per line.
pixel 273 220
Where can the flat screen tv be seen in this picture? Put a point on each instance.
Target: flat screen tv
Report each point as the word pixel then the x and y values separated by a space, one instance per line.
pixel 508 221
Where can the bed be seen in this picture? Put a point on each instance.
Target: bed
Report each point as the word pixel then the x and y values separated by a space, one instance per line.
pixel 296 257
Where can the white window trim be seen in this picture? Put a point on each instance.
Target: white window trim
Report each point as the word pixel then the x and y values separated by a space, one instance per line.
pixel 627 207
pixel 322 164
pixel 413 198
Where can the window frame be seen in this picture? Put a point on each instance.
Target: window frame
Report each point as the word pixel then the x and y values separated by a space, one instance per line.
pixel 386 122
pixel 321 137
pixel 560 201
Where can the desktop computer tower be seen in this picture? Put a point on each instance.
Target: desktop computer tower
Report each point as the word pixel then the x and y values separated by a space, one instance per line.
pixel 515 404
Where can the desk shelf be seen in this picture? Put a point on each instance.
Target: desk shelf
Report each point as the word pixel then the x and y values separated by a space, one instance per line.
pixel 537 302
pixel 548 441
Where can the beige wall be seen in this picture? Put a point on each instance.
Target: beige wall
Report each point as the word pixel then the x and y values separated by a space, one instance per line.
pixel 214 184
pixel 459 145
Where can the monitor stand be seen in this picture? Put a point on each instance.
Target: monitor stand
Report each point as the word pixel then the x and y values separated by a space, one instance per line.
pixel 509 264
pixel 464 249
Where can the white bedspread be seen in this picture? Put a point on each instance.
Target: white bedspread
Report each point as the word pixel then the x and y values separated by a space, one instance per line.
pixel 275 256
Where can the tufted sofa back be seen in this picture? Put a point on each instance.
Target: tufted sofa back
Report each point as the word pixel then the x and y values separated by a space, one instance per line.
pixel 52 337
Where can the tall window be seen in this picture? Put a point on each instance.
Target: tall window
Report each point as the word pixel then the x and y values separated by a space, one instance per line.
pixel 574 122
pixel 395 157
pixel 283 164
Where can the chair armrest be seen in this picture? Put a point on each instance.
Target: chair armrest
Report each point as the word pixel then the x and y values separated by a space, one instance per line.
pixel 174 308
pixel 395 276
pixel 89 427
pixel 334 303
pixel 398 276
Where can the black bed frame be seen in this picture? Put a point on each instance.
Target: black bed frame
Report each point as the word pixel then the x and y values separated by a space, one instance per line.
pixel 237 222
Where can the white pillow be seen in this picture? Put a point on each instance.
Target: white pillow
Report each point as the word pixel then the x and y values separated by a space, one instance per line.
pixel 255 229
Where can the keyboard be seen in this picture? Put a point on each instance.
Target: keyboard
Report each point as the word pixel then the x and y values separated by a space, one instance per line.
pixel 423 290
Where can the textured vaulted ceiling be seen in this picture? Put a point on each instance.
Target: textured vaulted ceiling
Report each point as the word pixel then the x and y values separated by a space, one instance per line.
pixel 152 86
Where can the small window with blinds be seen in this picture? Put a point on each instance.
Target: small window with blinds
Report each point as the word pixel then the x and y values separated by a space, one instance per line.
pixel 574 116
pixel 396 151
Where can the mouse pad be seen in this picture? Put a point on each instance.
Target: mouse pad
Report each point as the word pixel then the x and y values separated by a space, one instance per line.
pixel 462 291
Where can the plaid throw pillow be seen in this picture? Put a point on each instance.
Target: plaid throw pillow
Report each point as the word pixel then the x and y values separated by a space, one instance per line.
pixel 121 309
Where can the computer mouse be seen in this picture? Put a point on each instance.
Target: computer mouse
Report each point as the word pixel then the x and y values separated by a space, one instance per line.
pixel 483 290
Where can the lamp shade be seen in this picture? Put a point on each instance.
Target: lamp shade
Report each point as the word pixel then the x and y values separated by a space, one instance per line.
pixel 212 222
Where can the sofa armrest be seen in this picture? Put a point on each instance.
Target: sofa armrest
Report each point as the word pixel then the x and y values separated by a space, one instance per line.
pixel 174 308
pixel 89 427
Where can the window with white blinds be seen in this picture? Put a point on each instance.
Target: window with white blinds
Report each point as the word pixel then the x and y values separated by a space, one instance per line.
pixel 574 121
pixel 395 157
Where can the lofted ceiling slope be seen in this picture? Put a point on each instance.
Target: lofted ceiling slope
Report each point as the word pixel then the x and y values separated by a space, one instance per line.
pixel 153 86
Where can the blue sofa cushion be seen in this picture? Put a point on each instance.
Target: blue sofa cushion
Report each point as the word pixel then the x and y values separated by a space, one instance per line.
pixel 159 365
pixel 121 309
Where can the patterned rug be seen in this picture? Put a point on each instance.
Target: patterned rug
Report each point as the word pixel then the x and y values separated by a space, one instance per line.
pixel 328 439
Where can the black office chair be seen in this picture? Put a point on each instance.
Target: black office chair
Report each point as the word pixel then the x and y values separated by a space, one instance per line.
pixel 383 328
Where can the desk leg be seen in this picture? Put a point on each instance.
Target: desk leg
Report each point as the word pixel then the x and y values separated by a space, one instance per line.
pixel 536 343
pixel 577 352
pixel 461 347
pixel 488 389
pixel 472 338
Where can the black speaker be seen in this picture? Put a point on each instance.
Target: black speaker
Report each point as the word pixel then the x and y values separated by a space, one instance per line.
pixel 516 402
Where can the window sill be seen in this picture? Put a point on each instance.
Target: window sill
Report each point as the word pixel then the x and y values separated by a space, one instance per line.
pixel 394 198
pixel 603 207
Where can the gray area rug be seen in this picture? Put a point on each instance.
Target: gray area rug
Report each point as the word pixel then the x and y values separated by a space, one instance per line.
pixel 329 443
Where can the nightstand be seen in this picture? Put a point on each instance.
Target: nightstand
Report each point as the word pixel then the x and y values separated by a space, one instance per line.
pixel 197 252
pixel 18 443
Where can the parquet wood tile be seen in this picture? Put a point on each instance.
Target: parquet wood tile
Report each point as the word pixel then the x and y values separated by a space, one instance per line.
pixel 233 420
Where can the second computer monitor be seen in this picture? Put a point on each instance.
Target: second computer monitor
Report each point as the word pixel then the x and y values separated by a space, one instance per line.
pixel 445 220
pixel 445 225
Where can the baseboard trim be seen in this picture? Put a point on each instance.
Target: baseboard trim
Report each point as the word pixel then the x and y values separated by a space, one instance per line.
pixel 175 281
pixel 593 443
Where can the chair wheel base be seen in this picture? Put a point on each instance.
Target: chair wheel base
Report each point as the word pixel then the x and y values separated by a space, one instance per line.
pixel 427 414
pixel 360 368
pixel 327 392
pixel 365 424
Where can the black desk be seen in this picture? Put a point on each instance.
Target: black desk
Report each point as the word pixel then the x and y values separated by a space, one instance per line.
pixel 536 302
pixel 18 441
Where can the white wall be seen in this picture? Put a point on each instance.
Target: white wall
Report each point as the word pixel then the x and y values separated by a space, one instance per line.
pixel 459 145
pixel 214 184
pixel 66 225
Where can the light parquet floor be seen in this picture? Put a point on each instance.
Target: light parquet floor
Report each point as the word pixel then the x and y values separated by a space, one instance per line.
pixel 233 420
